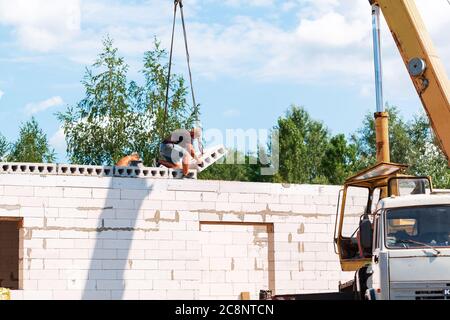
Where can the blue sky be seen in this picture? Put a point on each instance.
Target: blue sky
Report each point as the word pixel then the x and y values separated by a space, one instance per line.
pixel 251 59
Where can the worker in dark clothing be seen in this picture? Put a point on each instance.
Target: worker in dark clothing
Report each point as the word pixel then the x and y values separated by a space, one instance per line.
pixel 177 150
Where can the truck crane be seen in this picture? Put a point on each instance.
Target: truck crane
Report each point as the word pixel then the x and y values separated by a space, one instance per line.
pixel 400 246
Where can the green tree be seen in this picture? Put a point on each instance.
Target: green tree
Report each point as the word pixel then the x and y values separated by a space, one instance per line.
pixel 97 129
pixel 246 172
pixel 399 139
pixel 309 155
pixel 425 157
pixel 117 117
pixel 411 142
pixel 4 147
pixel 150 102
pixel 303 143
pixel 32 145
pixel 339 161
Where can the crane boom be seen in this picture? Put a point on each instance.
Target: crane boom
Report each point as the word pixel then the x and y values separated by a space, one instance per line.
pixel 422 62
pixel 433 87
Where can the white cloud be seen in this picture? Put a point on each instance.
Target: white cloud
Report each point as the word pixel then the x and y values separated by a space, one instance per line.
pixel 42 25
pixel 329 41
pixel 366 90
pixel 330 30
pixel 288 5
pixel 58 140
pixel 36 107
pixel 253 3
pixel 231 113
pixel 1 94
pixel 316 49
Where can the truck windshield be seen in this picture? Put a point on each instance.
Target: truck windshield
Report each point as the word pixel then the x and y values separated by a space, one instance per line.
pixel 416 227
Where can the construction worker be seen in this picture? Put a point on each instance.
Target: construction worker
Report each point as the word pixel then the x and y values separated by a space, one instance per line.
pixel 177 150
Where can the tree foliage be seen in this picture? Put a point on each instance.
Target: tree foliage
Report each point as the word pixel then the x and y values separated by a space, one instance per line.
pixel 117 117
pixel 399 138
pixel 340 160
pixel 302 144
pixel 310 154
pixel 32 145
pixel 4 147
pixel 234 172
pixel 150 101
pixel 411 142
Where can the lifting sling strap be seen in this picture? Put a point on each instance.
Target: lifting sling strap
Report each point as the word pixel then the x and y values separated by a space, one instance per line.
pixel 166 104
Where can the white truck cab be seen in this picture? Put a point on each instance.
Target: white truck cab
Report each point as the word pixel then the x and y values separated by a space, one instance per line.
pixel 399 244
pixel 411 248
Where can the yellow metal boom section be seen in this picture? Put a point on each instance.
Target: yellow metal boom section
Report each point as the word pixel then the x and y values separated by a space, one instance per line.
pixel 430 78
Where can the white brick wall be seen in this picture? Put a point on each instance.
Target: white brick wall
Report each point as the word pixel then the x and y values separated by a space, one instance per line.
pixel 123 238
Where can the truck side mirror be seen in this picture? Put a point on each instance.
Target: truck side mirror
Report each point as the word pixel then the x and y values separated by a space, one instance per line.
pixel 365 235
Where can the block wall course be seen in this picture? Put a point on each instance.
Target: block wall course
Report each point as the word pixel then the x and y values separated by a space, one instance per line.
pixel 109 237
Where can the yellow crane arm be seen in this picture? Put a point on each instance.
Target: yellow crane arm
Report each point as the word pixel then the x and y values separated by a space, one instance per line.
pixel 424 66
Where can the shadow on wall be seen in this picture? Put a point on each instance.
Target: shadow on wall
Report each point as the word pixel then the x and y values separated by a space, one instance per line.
pixel 271 257
pixel 114 236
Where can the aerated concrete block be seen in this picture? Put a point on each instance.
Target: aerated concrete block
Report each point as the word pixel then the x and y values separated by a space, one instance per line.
pixel 78 170
pixel 178 174
pixel 141 172
pixel 211 156
pixel 28 168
